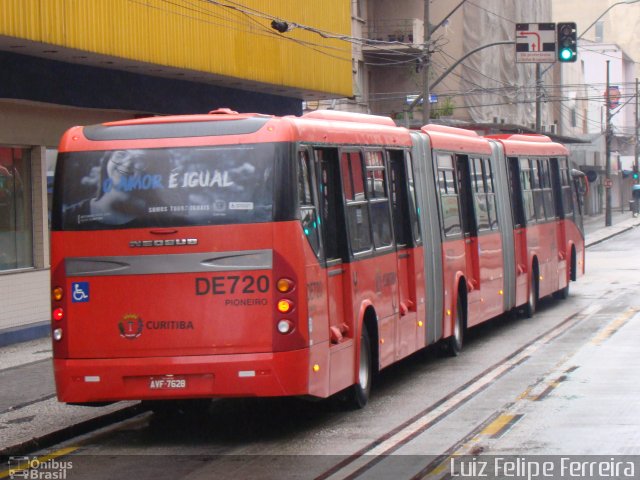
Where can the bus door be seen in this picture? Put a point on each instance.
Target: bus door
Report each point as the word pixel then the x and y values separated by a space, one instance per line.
pixel 516 184
pixel 490 248
pixel 579 190
pixel 332 229
pixel 407 236
pixel 315 273
pixel 547 237
pixel 469 234
pixel 561 226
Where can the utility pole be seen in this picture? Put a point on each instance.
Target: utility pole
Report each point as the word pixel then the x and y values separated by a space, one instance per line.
pixel 426 63
pixel 637 147
pixel 538 98
pixel 425 94
pixel 607 138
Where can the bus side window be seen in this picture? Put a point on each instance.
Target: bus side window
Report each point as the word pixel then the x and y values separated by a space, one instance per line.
pixel 413 200
pixel 357 206
pixel 478 190
pixel 565 186
pixel 465 193
pixel 516 192
pixel 377 193
pixel 307 201
pixel 537 184
pixel 527 183
pixel 547 189
pixel 448 189
pixel 491 193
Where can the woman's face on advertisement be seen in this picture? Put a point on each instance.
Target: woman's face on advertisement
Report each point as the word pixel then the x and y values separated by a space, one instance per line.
pixel 125 164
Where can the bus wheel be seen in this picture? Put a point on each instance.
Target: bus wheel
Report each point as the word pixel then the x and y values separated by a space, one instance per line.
pixel 453 345
pixel 358 394
pixel 532 303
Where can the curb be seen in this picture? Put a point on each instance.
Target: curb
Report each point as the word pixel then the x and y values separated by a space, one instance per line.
pixel 24 333
pixel 609 235
pixel 67 433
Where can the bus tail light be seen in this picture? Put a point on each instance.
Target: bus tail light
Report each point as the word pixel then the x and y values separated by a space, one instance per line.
pixel 285 326
pixel 58 314
pixel 57 293
pixel 285 306
pixel 285 285
pixel 289 312
pixel 57 334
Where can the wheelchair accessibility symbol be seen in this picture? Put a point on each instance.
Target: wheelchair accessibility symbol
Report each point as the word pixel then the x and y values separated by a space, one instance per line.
pixel 80 292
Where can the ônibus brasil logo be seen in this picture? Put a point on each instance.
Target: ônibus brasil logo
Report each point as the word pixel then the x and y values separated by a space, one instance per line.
pixel 130 326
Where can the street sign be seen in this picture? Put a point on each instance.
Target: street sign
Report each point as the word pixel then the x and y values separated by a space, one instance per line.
pixel 535 42
pixel 433 98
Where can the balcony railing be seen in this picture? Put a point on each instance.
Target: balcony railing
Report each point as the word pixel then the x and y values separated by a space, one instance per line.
pixel 409 31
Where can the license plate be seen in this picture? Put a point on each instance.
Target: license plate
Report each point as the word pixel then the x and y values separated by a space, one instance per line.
pixel 167 383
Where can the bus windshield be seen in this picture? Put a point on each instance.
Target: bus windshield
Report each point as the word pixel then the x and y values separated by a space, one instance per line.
pixel 139 188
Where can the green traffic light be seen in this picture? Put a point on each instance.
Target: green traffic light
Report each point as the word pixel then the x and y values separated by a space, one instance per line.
pixel 566 54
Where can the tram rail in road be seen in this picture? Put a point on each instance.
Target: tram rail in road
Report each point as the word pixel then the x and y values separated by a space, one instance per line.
pixel 366 458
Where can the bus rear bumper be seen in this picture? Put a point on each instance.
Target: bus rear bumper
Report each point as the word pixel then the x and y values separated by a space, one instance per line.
pixel 157 378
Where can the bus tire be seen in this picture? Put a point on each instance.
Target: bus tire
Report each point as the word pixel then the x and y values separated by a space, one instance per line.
pixel 358 394
pixel 532 303
pixel 453 344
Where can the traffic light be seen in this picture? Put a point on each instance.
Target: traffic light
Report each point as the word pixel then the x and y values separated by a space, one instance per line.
pixel 567 41
pixel 635 171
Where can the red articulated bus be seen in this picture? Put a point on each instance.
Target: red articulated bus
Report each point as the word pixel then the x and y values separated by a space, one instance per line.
pixel 231 255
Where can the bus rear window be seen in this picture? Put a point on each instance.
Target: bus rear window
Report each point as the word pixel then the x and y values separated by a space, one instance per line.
pixel 100 190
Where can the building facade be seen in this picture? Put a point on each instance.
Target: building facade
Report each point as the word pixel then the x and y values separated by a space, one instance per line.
pixel 472 69
pixel 70 62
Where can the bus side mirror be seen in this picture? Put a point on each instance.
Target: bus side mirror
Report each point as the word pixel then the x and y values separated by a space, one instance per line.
pixel 581 182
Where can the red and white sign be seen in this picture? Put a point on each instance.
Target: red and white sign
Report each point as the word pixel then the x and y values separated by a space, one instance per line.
pixel 535 42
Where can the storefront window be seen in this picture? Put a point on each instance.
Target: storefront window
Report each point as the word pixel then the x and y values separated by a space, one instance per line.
pixel 16 235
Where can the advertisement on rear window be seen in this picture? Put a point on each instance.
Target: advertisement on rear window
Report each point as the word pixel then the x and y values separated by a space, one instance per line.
pixel 165 187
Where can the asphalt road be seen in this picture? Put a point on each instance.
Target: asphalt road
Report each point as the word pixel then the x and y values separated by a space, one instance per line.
pixel 562 383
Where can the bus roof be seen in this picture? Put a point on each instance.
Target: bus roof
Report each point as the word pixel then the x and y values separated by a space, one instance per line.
pixel 529 144
pixel 216 127
pixel 456 139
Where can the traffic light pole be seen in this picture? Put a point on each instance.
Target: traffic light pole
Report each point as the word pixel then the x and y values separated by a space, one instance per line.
pixel 426 64
pixel 538 99
pixel 637 147
pixel 607 138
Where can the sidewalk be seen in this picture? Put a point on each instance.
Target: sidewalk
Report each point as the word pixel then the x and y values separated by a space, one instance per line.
pixel 595 231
